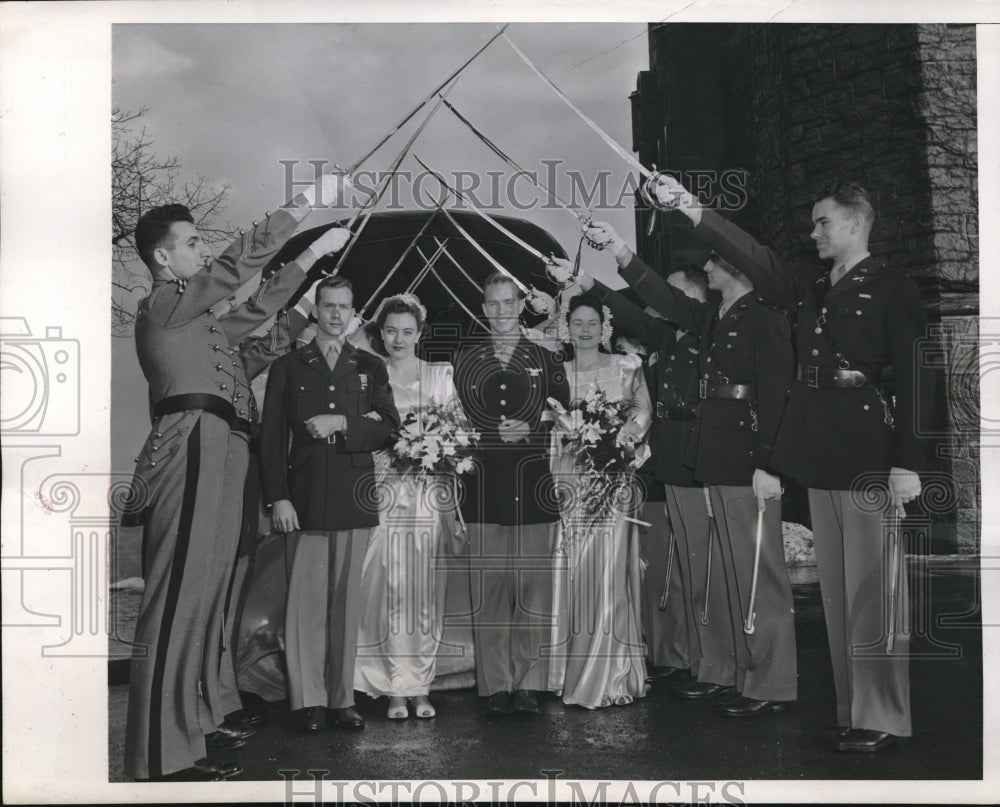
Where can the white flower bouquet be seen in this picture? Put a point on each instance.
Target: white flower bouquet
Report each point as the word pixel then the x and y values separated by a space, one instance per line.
pixel 605 451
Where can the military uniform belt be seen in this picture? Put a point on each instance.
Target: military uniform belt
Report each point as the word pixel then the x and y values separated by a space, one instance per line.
pixel 817 377
pixel 735 392
pixel 207 403
pixel 673 412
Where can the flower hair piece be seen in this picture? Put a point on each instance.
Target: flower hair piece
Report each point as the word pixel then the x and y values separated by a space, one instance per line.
pixel 606 329
pixel 562 319
pixel 409 299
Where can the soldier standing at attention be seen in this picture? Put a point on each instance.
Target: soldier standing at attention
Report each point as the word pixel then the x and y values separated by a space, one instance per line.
pixel 510 505
pixel 839 437
pixel 334 401
pixel 190 477
pixel 746 367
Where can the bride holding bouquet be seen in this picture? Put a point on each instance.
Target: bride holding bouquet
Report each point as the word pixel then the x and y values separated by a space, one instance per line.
pixel 402 615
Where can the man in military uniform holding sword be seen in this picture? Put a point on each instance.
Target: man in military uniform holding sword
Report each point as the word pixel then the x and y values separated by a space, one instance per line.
pixel 746 366
pixel 841 438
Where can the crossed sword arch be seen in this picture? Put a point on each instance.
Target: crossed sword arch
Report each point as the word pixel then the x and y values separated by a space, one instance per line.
pixel 648 195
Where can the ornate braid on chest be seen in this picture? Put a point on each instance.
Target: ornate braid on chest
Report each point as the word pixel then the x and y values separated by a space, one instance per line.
pixel 225 372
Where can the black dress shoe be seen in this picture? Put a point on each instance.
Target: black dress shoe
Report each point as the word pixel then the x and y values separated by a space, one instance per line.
pixel 498 704
pixel 866 741
pixel 202 771
pixel 830 735
pixel 312 718
pixel 347 718
pixel 749 707
pixel 227 737
pixel 699 690
pixel 244 717
pixel 524 700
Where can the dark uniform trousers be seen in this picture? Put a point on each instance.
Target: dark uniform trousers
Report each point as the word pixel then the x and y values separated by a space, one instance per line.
pixel 751 345
pixel 832 440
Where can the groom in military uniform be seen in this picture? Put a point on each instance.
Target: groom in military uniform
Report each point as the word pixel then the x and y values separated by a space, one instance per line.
pixel 510 505
pixel 335 402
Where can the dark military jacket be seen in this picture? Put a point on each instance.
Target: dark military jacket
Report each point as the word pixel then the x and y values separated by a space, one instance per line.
pixel 672 381
pixel 750 344
pixel 830 437
pixel 513 483
pixel 330 483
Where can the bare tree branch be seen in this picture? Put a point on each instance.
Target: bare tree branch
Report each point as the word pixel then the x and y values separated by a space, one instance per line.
pixel 141 179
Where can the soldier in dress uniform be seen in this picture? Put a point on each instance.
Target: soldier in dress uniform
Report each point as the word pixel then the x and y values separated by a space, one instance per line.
pixel 335 402
pixel 841 438
pixel 746 366
pixel 189 479
pixel 709 648
pixel 510 505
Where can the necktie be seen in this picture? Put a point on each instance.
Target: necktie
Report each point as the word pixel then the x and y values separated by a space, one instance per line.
pixel 331 354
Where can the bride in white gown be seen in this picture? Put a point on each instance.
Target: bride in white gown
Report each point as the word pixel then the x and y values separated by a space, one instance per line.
pixel 598 655
pixel 403 607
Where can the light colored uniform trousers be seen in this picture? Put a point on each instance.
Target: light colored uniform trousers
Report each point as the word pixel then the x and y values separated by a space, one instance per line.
pixel 665 631
pixel 712 651
pixel 852 553
pixel 190 538
pixel 510 577
pixel 322 616
pixel 765 660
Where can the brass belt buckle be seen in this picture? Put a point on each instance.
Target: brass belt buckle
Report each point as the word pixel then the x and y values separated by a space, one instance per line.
pixel 812 376
pixel 660 410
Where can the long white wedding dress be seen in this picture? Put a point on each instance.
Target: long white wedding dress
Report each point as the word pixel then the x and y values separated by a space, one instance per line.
pixel 598 656
pixel 402 583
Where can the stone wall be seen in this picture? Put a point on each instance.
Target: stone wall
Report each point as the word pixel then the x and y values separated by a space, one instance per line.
pixel 797 107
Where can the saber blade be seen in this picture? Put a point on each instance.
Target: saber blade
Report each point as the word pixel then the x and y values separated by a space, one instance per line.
pixel 357 164
pixel 521 243
pixel 615 147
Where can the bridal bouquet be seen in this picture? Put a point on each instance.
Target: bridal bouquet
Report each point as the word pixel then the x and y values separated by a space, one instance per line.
pixel 434 439
pixel 605 453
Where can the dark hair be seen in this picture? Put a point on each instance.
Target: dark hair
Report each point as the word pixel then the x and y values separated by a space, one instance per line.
pixel 334 282
pixel 499 277
pixel 153 228
pixel 693 275
pixel 852 196
pixel 585 301
pixel 723 264
pixel 397 304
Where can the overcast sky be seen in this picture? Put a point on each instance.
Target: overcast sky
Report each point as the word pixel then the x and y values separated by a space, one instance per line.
pixel 232 101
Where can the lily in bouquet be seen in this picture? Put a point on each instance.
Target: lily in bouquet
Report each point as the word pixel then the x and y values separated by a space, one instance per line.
pixel 606 451
pixel 434 438
pixel 434 445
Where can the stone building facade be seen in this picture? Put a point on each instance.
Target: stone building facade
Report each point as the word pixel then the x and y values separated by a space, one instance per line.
pixel 758 118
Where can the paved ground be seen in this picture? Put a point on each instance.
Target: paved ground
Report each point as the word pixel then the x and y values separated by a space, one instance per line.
pixel 663 737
